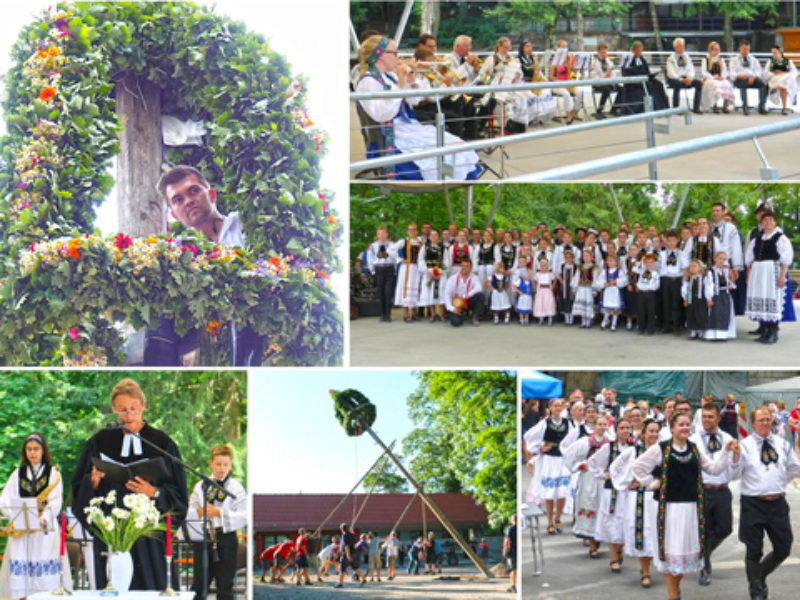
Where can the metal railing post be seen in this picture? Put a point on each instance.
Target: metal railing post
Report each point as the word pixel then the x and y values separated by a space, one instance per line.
pixel 440 141
pixel 650 134
pixel 767 173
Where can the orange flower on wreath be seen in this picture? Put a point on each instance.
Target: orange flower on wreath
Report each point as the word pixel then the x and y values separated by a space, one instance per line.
pixel 53 51
pixel 47 93
pixel 42 53
pixel 72 248
pixel 214 327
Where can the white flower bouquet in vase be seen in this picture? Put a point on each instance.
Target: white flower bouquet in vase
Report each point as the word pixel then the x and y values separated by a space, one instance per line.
pixel 119 528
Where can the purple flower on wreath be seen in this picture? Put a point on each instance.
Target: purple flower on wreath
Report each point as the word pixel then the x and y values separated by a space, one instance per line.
pixel 21 185
pixel 61 23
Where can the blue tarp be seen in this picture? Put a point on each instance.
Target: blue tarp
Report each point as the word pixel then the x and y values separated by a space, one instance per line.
pixel 539 385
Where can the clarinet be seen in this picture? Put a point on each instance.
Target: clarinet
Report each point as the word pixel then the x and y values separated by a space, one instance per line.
pixel 212 537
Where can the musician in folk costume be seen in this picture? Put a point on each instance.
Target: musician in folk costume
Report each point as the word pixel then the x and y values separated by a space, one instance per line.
pixel 391 123
pixel 32 495
pixel 225 516
pixel 602 67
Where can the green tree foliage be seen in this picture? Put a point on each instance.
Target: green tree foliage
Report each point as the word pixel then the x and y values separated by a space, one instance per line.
pixel 387 481
pixel 199 409
pixel 465 439
pixel 572 204
pixel 765 10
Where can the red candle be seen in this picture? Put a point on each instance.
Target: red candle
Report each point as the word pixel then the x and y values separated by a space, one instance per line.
pixel 169 534
pixel 63 534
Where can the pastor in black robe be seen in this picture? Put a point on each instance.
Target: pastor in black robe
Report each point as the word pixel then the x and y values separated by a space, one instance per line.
pixel 631 100
pixel 148 554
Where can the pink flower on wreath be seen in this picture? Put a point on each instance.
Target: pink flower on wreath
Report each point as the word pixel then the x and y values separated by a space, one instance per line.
pixel 21 185
pixel 74 333
pixel 190 248
pixel 122 241
pixel 324 201
pixel 24 205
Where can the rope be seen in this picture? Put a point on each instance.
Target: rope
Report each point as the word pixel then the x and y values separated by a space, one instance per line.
pixel 318 530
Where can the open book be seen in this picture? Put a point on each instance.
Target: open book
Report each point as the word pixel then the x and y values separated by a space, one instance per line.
pixel 152 470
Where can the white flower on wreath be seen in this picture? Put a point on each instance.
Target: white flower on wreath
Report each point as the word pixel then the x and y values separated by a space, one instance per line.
pixel 111 497
pixel 108 523
pixel 139 522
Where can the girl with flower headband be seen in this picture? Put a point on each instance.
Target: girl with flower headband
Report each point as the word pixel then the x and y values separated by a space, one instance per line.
pixel 716 85
pixel 681 504
pixel 31 501
pixel 390 124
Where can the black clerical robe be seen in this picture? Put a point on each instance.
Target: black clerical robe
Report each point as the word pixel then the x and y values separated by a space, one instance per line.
pixel 631 101
pixel 149 566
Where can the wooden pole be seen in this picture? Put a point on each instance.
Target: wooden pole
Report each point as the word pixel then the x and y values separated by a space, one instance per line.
pixel 433 508
pixel 140 209
pixel 318 530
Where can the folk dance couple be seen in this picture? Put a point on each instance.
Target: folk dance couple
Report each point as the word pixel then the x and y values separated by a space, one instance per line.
pixel 668 501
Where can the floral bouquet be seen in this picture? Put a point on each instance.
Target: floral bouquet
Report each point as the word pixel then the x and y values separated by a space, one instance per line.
pixel 123 526
pixel 435 275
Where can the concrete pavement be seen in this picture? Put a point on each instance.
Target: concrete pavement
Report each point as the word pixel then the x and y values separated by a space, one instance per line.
pixel 373 343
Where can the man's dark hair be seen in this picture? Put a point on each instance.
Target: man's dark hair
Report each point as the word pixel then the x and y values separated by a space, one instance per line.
pixel 176 174
pixel 712 406
pixel 720 204
pixel 423 39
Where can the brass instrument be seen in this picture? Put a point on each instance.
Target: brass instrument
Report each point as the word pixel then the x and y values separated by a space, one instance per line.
pixel 41 497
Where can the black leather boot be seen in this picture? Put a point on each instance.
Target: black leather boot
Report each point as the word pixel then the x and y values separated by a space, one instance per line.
pixel 754 580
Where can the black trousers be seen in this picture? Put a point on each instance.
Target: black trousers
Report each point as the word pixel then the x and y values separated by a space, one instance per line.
pixel 222 571
pixel 765 516
pixel 386 278
pixel 677 85
pixel 744 86
pixel 671 303
pixel 605 94
pixel 163 347
pixel 719 519
pixel 647 312
pixel 475 304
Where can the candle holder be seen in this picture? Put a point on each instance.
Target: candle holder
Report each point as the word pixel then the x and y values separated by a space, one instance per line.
pixel 61 590
pixel 169 591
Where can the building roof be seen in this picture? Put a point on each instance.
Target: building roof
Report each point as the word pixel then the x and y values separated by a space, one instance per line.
pixel 275 513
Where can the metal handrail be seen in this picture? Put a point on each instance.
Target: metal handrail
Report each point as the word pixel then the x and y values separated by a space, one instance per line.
pixel 474 90
pixel 517 138
pixel 630 159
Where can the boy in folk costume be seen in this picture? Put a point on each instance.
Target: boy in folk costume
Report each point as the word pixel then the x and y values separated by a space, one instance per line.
pixel 408 278
pixel 647 290
pixel 633 268
pixel 225 517
pixel 381 264
pixel 672 267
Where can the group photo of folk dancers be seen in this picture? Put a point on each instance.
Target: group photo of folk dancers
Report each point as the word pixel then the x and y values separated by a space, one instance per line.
pixel 114 511
pixel 694 279
pixel 649 487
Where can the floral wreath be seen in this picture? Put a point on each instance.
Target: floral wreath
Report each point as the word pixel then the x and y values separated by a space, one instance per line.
pixel 261 152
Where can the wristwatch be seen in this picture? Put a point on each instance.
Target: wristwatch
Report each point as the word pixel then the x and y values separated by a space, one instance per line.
pixel 157 494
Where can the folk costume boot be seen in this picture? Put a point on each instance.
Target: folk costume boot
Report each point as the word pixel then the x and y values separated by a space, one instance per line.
pixel 759 331
pixel 754 581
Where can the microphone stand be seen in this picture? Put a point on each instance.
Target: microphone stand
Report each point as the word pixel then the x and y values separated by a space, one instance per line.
pixel 208 483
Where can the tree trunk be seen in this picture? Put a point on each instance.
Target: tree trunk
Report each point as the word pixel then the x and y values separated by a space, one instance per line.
pixel 431 17
pixel 656 28
pixel 140 208
pixel 728 32
pixel 579 26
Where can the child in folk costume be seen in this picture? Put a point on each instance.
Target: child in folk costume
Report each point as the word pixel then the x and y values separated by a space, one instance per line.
pixel 647 291
pixel 550 477
pixel 507 254
pixel 431 267
pixel 721 319
pixel 498 299
pixel 456 254
pixel 641 532
pixel 226 516
pixel 576 451
pixel 31 501
pixel 697 292
pixel 582 284
pixel 613 503
pixel 545 304
pixel 565 275
pixel 523 291
pixel 633 268
pixel 681 505
pixel 483 259
pixel 611 281
pixel 407 251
